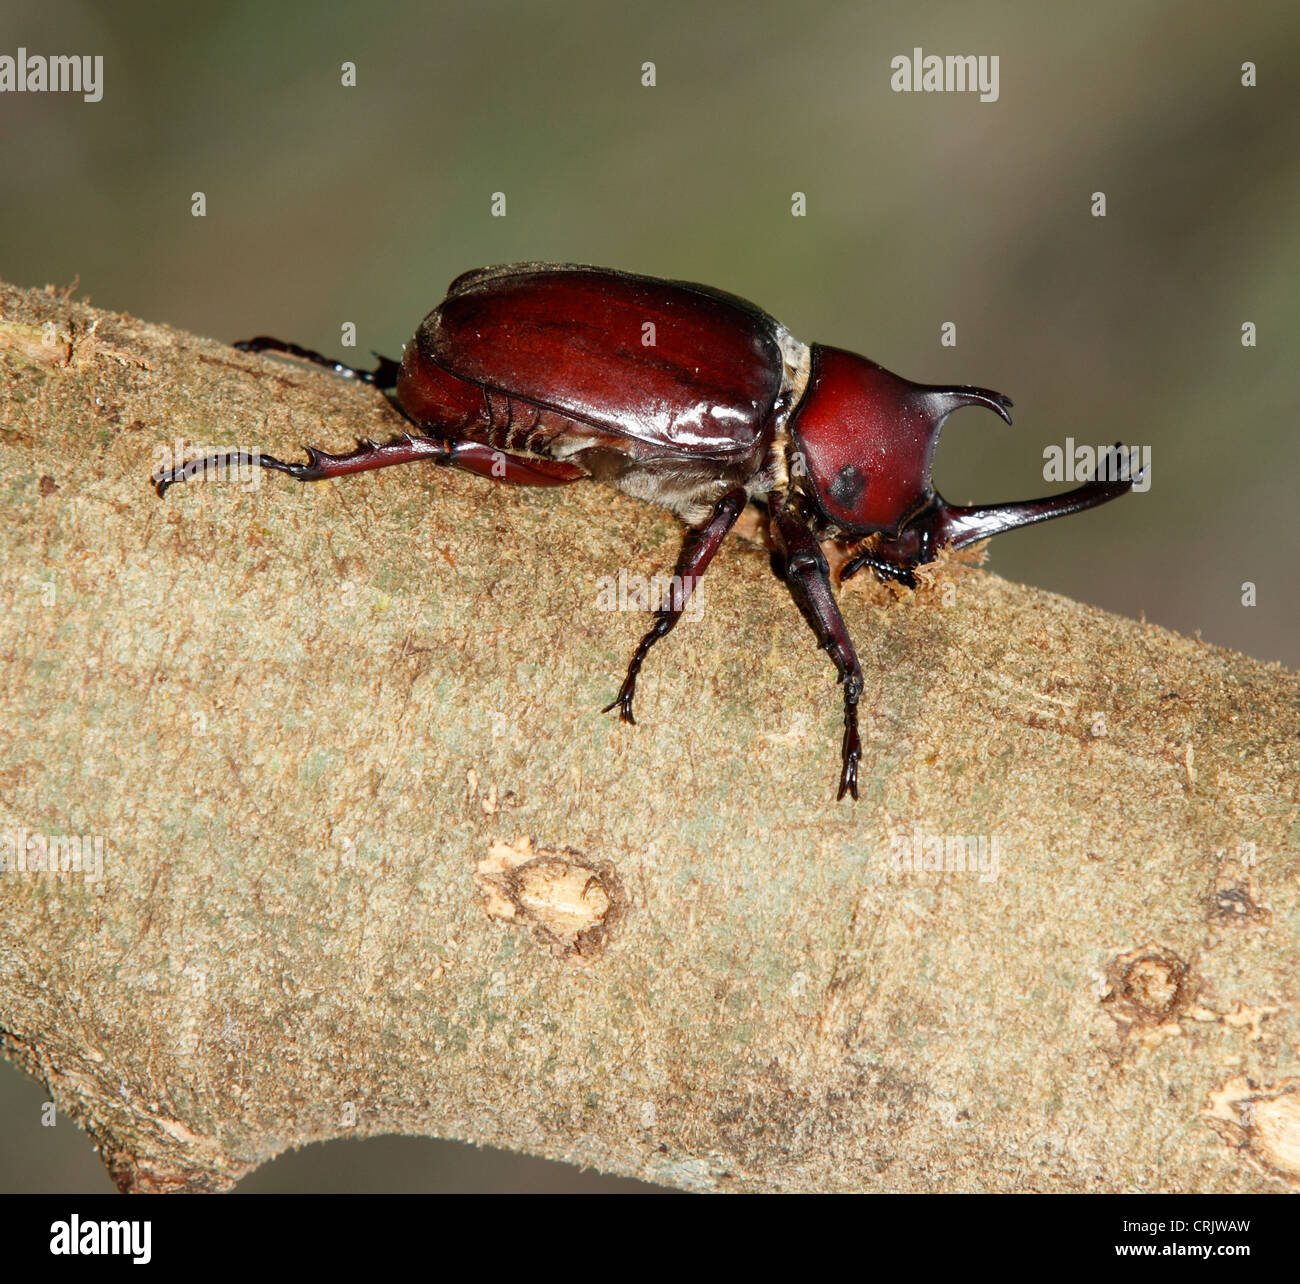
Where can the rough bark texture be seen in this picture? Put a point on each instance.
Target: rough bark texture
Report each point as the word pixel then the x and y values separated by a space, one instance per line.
pixel 375 863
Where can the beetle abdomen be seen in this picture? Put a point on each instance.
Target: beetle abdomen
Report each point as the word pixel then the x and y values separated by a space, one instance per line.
pixel 438 400
pixel 673 365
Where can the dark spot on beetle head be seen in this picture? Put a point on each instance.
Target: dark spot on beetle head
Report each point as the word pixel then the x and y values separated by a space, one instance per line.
pixel 848 486
pixel 48 485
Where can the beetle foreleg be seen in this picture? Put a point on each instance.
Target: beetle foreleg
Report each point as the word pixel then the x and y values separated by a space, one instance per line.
pixel 384 375
pixel 883 567
pixel 697 552
pixel 808 577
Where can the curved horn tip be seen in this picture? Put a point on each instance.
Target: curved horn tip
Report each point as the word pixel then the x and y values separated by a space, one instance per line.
pixel 966 396
pixel 995 401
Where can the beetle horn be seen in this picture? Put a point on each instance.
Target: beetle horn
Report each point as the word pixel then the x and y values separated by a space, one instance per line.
pixel 961 526
pixel 958 525
pixel 945 400
pixel 938 523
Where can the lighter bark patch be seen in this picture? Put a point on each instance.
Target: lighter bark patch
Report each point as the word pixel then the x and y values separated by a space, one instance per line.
pixel 571 902
pixel 1262 1122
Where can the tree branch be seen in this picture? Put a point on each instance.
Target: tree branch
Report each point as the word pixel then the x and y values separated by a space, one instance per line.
pixel 373 862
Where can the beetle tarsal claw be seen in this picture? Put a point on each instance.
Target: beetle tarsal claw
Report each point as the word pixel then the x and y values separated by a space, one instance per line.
pixel 218 464
pixel 849 777
pixel 851 748
pixel 623 703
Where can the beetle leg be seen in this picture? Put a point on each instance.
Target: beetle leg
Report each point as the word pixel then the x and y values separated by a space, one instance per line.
pixel 384 375
pixel 883 567
pixel 701 544
pixel 517 470
pixel 808 578
pixel 472 456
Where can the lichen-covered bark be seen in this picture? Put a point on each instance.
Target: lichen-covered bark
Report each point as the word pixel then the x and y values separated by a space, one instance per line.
pixel 374 862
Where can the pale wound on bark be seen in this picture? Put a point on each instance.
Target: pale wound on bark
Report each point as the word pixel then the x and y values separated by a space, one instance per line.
pixel 570 901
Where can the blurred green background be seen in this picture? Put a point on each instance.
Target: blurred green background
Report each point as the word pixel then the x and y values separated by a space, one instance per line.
pixel 328 204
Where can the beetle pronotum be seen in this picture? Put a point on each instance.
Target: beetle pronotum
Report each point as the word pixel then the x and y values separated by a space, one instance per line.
pixel 540 374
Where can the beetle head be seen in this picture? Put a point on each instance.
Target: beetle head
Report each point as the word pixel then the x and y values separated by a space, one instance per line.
pixel 867 438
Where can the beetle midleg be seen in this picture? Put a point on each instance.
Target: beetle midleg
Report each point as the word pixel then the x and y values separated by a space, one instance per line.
pixel 808 577
pixel 701 543
pixel 472 456
pixel 384 375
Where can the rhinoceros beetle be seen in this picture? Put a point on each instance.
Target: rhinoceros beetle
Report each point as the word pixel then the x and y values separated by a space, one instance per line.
pixel 688 397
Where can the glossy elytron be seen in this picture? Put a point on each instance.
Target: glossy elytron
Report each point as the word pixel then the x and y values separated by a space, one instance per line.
pixel 685 396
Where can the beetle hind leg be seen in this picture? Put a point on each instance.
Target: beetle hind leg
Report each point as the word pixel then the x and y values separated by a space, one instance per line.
pixel 471 456
pixel 319 465
pixel 701 544
pixel 383 376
